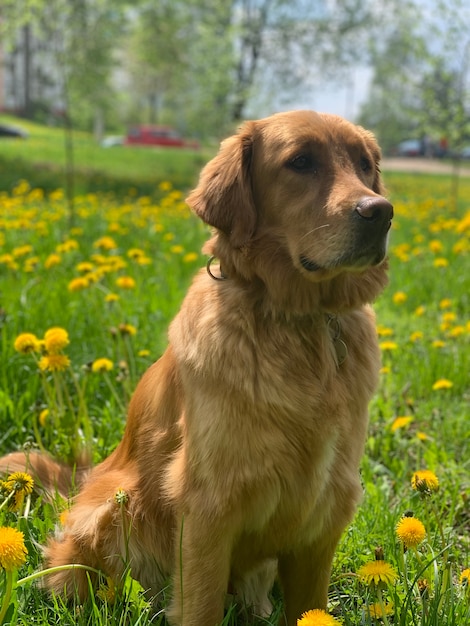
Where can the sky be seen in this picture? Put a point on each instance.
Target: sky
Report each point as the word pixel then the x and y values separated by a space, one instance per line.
pixel 342 99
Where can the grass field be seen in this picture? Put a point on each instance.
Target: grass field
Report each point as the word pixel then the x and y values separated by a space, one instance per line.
pixel 41 160
pixel 114 280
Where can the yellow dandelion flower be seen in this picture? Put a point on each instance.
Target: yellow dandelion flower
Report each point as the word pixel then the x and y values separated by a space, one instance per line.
pixel 190 257
pixel 465 577
pixel 77 284
pixel 111 297
pixel 165 186
pixel 441 262
pixel 168 237
pixel 384 331
pixel 125 282
pixel 85 267
pixel 127 329
pixel 19 481
pixel 105 243
pixel 423 586
pixel 449 316
pixel 55 340
pixel 457 331
pixel 107 592
pixel 135 253
pixel 56 195
pixel 67 246
pixel 378 610
pixel 410 531
pixel 43 415
pixel 438 343
pixel 461 246
pixel 442 383
pixel 115 227
pixel 435 246
pixel 12 549
pixel 102 365
pixel 401 422
pixel 388 345
pixel 446 303
pixel 177 249
pixel 52 260
pixel 420 311
pixel 421 436
pixel 316 617
pixel 18 485
pixel 377 573
pixel 425 480
pixel 385 370
pixel 22 251
pixel 417 335
pixel 143 353
pixel 27 342
pixel 31 264
pixel 54 363
pixel 399 297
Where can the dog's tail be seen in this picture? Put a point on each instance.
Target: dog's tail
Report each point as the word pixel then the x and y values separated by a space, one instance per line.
pixel 51 478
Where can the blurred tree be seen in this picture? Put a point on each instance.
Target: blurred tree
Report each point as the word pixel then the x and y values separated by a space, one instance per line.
pixel 421 76
pixel 69 47
pixel 393 97
pixel 215 55
pixel 157 56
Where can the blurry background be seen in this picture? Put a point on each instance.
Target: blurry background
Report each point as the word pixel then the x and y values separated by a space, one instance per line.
pixel 201 66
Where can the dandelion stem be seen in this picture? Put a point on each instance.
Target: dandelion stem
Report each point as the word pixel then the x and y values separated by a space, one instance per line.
pixel 59 568
pixel 7 499
pixel 7 596
pixel 113 392
pixel 27 506
pixel 382 606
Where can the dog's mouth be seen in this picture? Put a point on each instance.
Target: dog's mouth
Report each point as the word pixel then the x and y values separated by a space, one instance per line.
pixel 362 252
pixel 352 262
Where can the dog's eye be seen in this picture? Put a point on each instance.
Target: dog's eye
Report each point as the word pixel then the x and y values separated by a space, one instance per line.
pixel 303 163
pixel 366 165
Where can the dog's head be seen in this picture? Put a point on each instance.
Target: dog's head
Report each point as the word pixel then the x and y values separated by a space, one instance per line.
pixel 304 186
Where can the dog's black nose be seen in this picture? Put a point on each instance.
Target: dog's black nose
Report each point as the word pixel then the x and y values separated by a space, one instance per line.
pixel 375 209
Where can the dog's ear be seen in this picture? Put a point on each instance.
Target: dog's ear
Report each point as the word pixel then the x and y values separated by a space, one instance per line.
pixel 223 196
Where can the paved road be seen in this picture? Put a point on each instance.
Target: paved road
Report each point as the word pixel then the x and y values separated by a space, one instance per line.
pixel 417 165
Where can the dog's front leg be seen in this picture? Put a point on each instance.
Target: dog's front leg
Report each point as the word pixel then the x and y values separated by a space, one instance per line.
pixel 202 570
pixel 305 575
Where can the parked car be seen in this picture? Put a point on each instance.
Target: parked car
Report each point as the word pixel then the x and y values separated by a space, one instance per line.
pixel 465 153
pixel 149 135
pixel 409 148
pixel 12 131
pixel 112 140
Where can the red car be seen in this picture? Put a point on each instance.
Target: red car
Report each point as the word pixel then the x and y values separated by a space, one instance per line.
pixel 149 135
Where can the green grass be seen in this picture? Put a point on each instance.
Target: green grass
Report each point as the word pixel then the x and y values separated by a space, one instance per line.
pixel 424 328
pixel 41 160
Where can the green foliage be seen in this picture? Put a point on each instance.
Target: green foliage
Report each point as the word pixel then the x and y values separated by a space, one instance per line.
pixel 55 276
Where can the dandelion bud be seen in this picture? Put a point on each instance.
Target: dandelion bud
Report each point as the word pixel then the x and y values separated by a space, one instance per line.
pixel 121 497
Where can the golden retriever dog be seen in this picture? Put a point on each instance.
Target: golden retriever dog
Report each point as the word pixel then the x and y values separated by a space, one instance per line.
pixel 239 462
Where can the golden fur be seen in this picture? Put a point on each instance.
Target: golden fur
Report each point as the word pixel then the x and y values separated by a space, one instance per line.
pixel 241 451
